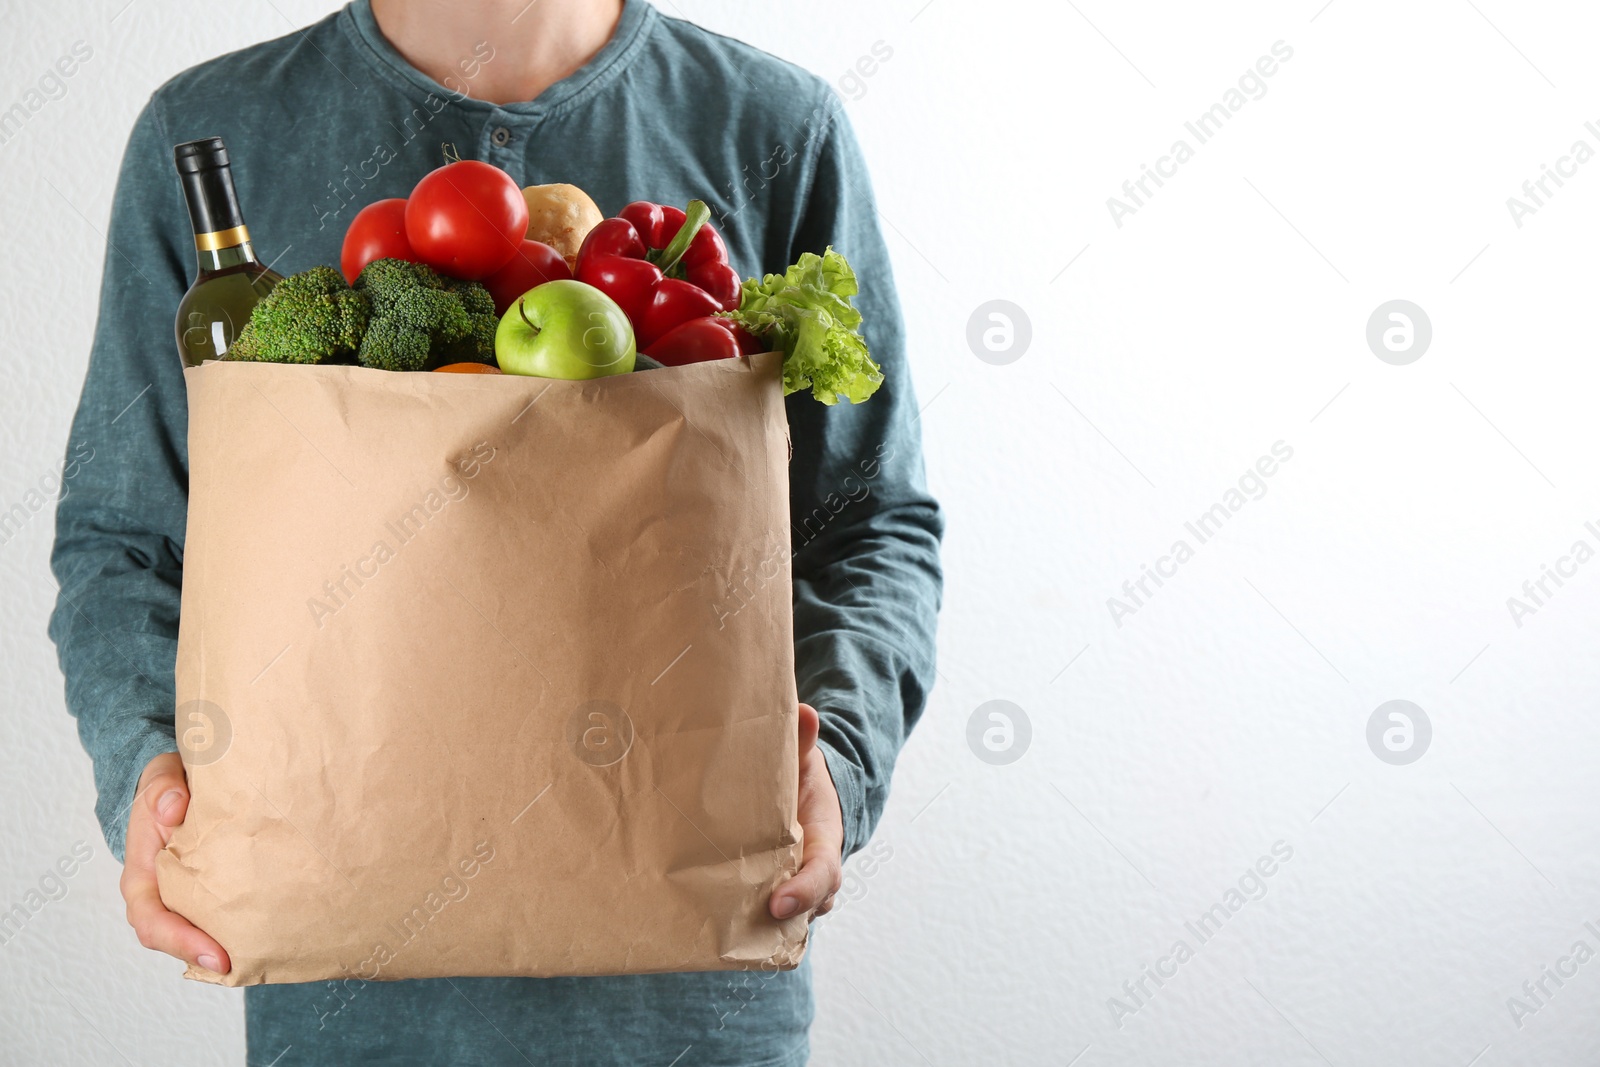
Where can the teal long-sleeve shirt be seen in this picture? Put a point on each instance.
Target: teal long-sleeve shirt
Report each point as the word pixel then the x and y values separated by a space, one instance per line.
pixel 323 121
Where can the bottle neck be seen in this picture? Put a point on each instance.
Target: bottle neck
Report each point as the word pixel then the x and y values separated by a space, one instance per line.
pixel 221 239
pixel 212 260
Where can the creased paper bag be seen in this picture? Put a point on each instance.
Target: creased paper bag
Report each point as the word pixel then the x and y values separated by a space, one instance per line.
pixel 486 675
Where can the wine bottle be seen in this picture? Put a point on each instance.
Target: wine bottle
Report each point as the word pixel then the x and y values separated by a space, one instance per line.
pixel 231 280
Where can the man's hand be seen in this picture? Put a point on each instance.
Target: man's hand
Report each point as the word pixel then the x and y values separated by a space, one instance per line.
pixel 822 831
pixel 159 805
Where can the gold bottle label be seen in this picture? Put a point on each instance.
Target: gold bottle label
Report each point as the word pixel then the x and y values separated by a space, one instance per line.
pixel 230 238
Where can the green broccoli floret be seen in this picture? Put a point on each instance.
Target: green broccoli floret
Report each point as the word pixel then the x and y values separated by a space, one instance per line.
pixel 309 317
pixel 421 319
pixel 478 344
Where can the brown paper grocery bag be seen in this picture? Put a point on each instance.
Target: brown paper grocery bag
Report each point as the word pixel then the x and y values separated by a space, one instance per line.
pixel 486 675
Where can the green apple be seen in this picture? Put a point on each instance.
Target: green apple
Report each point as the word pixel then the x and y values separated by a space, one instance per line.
pixel 564 329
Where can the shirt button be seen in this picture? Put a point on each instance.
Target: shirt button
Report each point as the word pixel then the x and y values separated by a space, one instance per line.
pixel 501 136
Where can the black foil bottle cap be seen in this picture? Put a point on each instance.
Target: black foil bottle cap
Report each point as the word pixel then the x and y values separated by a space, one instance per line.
pixel 204 154
pixel 207 185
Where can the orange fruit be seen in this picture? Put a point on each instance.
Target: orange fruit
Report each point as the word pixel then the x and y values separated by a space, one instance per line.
pixel 469 368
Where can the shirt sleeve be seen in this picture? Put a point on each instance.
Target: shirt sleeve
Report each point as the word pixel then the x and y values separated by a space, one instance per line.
pixel 865 531
pixel 120 521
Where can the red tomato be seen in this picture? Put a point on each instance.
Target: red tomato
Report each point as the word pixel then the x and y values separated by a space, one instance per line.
pixel 377 232
pixel 466 219
pixel 534 264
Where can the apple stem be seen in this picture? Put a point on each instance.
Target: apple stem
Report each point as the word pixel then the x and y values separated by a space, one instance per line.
pixel 523 312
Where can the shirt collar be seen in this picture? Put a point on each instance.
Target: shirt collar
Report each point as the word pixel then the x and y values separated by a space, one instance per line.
pixel 638 19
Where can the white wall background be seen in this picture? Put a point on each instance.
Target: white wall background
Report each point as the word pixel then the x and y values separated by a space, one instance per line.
pixel 1167 355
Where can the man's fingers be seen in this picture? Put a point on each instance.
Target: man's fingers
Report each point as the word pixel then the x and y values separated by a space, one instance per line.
pixel 165 931
pixel 821 873
pixel 812 887
pixel 821 868
pixel 158 809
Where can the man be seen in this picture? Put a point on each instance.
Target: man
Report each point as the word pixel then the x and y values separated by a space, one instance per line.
pixel 628 104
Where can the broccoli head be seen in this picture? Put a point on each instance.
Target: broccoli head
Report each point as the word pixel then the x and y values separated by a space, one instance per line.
pixel 309 317
pixel 477 346
pixel 421 319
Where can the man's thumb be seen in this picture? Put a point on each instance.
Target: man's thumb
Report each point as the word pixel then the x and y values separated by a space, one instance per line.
pixel 169 796
pixel 810 722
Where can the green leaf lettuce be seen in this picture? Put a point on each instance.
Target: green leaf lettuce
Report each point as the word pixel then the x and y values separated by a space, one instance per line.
pixel 806 314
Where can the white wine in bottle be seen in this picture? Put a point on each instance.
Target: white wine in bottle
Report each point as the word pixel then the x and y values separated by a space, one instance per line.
pixel 231 280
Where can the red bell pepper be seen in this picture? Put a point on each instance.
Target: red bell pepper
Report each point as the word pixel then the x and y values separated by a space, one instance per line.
pixel 699 340
pixel 662 266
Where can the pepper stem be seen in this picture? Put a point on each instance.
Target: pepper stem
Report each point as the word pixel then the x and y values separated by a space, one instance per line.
pixel 524 313
pixel 696 215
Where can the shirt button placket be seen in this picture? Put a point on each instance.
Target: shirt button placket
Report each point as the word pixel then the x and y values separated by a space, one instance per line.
pixel 502 144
